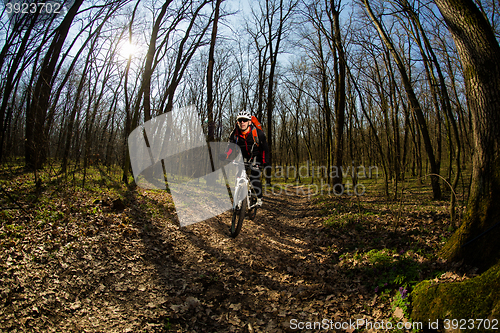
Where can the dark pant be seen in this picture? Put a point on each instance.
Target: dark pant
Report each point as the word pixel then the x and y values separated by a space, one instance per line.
pixel 255 181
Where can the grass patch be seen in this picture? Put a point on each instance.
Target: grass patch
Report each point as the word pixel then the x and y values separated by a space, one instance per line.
pixel 390 245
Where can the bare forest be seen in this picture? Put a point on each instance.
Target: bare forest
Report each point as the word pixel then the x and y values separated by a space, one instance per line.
pixel 380 116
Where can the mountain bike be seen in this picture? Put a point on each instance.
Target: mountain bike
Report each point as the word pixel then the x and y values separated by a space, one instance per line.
pixel 244 198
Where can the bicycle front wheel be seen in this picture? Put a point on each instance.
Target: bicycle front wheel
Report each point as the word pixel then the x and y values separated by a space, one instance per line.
pixel 253 212
pixel 237 218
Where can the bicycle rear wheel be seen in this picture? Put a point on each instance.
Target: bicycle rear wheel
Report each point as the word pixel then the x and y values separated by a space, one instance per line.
pixel 237 218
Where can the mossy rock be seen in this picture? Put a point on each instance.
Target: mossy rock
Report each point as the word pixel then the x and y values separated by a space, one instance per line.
pixel 476 298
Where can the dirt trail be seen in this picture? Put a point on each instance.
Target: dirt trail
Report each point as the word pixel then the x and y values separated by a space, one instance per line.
pixel 137 272
pixel 278 269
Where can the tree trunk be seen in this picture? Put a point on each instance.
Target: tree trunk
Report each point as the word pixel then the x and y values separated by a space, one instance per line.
pixel 476 241
pixel 340 87
pixel 210 75
pixel 327 110
pixel 479 53
pixel 76 107
pixel 261 79
pixel 128 113
pixel 148 67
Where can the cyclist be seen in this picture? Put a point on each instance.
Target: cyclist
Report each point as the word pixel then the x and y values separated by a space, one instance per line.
pixel 252 151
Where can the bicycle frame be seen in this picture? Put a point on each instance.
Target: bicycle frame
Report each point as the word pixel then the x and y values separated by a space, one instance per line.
pixel 243 195
pixel 242 187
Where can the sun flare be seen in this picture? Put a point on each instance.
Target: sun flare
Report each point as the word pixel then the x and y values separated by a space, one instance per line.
pixel 128 50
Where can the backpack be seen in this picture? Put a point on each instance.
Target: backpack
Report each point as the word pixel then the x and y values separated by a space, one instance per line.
pixel 256 124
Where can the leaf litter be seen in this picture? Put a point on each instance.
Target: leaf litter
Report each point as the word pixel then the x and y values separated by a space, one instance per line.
pixel 124 264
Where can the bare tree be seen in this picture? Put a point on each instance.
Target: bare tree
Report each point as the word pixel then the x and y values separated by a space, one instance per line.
pixel 145 89
pixel 210 72
pixel 10 82
pixel 261 45
pixel 432 63
pixel 184 53
pixel 412 98
pixel 36 148
pixel 274 49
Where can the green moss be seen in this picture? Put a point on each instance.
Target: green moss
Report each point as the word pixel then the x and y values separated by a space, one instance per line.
pixel 475 298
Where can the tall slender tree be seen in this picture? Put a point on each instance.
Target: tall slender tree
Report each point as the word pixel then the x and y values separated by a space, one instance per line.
pixel 210 73
pixel 337 49
pixel 36 147
pixel 412 98
pixel 283 12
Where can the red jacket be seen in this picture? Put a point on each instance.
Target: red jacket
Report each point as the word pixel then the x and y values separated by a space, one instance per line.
pixel 248 147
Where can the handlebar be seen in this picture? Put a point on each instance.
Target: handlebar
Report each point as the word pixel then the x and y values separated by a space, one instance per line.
pixel 252 166
pixel 248 164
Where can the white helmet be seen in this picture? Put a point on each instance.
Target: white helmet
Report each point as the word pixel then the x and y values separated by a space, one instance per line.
pixel 244 115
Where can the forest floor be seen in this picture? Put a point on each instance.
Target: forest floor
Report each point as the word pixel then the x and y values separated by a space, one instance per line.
pixel 111 259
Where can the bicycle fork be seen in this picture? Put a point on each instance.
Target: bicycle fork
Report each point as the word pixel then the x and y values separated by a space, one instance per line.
pixel 241 192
